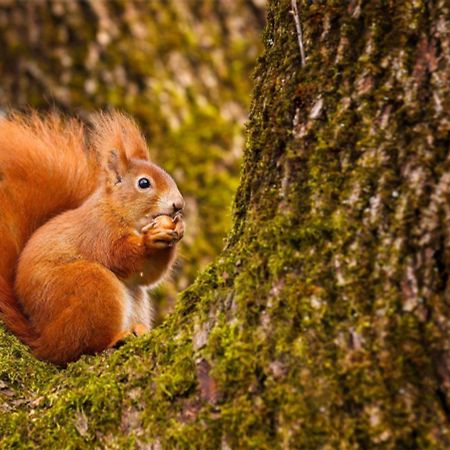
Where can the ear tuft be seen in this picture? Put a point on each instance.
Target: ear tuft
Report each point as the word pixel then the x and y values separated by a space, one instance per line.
pixel 118 131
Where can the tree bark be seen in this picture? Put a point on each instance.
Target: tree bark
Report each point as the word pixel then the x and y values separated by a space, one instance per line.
pixel 325 321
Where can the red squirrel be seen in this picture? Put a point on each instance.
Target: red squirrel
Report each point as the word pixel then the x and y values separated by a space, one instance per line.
pixel 79 285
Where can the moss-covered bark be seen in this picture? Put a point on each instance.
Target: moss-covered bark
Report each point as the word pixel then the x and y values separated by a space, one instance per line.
pixel 325 322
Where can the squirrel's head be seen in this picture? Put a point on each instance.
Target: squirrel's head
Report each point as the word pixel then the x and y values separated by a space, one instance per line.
pixel 140 190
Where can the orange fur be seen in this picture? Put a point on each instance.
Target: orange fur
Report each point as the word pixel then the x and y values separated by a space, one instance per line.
pixel 80 274
pixel 45 168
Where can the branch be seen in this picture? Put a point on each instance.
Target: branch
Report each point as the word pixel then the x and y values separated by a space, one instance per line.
pixel 299 30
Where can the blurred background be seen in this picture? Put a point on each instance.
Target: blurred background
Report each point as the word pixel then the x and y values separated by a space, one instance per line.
pixel 181 68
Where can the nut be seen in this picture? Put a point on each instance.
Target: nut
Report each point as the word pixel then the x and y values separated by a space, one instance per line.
pixel 165 222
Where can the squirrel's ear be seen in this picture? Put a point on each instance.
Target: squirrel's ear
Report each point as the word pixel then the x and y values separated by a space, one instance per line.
pixel 139 152
pixel 116 165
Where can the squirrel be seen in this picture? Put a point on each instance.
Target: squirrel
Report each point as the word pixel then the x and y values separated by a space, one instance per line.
pixel 79 284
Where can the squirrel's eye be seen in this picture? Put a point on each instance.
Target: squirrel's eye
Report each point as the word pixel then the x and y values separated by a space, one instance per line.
pixel 144 183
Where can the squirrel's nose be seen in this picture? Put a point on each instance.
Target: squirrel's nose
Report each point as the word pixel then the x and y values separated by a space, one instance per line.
pixel 178 205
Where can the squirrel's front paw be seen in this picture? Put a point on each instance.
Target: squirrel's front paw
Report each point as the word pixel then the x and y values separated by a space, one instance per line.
pixel 156 238
pixel 179 226
pixel 164 232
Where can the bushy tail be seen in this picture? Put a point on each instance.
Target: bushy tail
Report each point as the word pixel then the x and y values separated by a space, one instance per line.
pixel 12 316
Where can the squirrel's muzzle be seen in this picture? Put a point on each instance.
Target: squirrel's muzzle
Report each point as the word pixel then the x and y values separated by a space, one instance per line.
pixel 171 206
pixel 178 205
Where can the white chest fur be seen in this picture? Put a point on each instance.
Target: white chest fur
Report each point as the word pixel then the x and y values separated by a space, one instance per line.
pixel 137 308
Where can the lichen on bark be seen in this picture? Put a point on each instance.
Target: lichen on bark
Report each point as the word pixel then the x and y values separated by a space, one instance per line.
pixel 325 321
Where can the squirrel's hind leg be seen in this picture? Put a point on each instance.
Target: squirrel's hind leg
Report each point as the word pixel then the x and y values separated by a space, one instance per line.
pixel 120 339
pixel 94 318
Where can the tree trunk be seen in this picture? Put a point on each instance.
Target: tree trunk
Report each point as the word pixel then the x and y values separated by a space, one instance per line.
pixel 325 322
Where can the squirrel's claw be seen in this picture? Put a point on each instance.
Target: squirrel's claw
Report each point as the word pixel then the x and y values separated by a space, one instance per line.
pixel 148 227
pixel 177 218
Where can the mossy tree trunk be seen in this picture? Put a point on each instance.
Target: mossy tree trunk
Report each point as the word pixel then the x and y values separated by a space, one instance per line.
pixel 325 322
